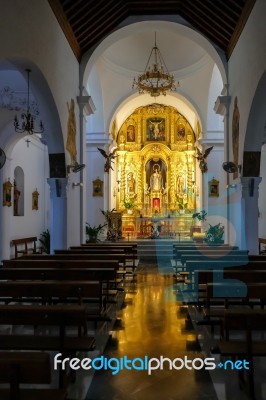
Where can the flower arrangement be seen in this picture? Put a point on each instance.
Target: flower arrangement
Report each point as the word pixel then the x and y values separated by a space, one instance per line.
pixel 201 215
pixel 214 234
pixel 129 204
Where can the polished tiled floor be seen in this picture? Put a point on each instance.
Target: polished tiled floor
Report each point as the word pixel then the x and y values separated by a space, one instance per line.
pixel 152 325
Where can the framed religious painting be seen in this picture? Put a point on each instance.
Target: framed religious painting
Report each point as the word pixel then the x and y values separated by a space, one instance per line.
pixel 35 200
pixel 213 188
pixel 97 188
pixel 155 129
pixel 7 187
pixel 131 135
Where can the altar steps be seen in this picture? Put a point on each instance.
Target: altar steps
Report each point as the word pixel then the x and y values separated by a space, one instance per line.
pixel 155 251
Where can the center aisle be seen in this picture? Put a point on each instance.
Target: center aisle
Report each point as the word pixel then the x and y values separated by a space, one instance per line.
pixel 152 325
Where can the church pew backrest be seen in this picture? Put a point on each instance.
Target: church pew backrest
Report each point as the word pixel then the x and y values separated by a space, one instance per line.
pixel 25 245
pixel 58 262
pixel 55 291
pixel 28 368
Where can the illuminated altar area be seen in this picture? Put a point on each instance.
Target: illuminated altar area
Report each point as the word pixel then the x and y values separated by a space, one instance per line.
pixel 155 169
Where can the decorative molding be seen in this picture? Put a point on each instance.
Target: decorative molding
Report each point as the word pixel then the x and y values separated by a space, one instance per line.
pixel 222 104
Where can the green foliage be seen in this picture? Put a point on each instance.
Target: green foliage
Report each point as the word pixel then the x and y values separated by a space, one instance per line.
pixel 201 216
pixel 129 204
pixel 92 232
pixel 215 233
pixel 45 241
pixel 107 214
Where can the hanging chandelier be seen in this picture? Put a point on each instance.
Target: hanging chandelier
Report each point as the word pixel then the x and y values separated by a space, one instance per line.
pixel 27 121
pixel 156 79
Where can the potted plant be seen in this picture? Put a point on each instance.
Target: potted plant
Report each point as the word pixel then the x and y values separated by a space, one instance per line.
pixel 92 232
pixel 129 205
pixel 214 235
pixel 45 241
pixel 113 229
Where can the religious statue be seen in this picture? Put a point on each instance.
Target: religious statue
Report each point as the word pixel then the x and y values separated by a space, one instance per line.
pixel 201 157
pixel 109 159
pixel 156 179
pixel 131 183
pixel 180 183
pixel 71 133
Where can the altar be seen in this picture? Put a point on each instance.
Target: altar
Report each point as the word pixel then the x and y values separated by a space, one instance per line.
pixel 155 173
pixel 171 227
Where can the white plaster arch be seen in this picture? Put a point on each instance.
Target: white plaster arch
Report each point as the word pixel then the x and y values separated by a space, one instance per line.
pixel 90 57
pixel 176 100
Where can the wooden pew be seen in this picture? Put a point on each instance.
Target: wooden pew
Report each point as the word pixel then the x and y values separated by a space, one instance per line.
pixel 67 261
pixel 108 276
pixel 246 321
pixel 58 316
pixel 127 259
pixel 54 292
pixel 25 245
pixel 213 255
pixel 33 368
pixel 232 294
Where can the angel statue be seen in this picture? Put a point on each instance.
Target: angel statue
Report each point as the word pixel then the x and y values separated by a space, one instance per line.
pixel 202 158
pixel 109 159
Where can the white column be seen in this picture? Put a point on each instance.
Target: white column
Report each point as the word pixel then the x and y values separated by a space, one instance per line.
pixel 58 212
pixel 250 194
pixel 86 108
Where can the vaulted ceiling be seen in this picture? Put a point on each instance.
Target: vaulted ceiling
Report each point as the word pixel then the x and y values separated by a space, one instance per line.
pixel 87 22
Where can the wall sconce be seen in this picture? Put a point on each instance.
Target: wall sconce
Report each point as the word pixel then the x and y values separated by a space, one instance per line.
pixel 75 184
pixel 75 168
pixel 230 167
pixel 232 186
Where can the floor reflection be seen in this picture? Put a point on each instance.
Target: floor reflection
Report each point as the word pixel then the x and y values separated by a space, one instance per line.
pixel 152 325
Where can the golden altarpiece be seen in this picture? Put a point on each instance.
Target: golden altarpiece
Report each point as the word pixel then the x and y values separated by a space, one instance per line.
pixel 155 169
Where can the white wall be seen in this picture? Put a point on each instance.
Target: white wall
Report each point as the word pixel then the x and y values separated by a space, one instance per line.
pixel 33 160
pixel 30 34
pixel 245 68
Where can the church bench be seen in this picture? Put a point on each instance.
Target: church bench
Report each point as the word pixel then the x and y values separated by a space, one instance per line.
pixel 30 368
pixel 213 255
pixel 196 287
pixel 218 276
pixel 127 259
pixel 197 250
pixel 192 266
pixel 221 296
pixel 25 245
pixel 60 317
pixel 73 255
pixel 56 292
pixel 110 248
pixel 67 261
pixel 245 322
pixel 107 276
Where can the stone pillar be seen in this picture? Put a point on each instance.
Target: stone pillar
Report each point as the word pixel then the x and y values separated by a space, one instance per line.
pixel 250 194
pixel 86 108
pixel 58 212
pixel 221 107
